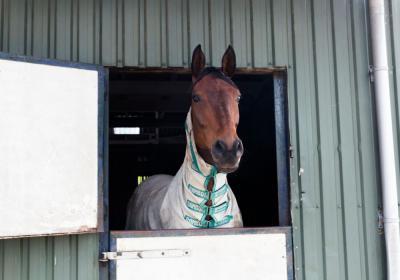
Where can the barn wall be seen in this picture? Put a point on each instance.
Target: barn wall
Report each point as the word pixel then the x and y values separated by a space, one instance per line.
pixel 323 43
pixel 48 258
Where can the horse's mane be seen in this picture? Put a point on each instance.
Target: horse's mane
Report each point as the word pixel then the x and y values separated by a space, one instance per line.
pixel 215 72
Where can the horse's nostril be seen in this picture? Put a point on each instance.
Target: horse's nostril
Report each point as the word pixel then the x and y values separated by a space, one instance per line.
pixel 219 147
pixel 238 146
pixel 223 153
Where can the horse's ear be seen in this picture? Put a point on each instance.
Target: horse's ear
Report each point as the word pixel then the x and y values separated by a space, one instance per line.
pixel 229 62
pixel 198 62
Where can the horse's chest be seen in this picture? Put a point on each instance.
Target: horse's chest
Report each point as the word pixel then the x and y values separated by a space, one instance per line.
pixel 188 206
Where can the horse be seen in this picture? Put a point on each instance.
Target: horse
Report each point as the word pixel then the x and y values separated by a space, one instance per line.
pixel 199 195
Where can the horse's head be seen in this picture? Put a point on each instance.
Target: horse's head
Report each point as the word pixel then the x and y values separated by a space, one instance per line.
pixel 215 111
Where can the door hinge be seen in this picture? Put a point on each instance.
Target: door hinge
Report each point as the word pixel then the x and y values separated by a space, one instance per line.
pixel 371 73
pixel 291 152
pixel 380 221
pixel 146 254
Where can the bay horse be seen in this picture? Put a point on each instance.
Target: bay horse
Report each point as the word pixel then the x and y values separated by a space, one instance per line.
pixel 198 196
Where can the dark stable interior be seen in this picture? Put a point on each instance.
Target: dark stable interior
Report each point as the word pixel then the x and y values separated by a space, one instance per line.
pixel 158 102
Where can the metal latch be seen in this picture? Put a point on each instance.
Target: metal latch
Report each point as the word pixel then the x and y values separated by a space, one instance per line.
pixel 146 254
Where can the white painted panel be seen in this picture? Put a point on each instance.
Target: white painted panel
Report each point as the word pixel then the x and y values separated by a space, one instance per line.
pixel 242 256
pixel 49 149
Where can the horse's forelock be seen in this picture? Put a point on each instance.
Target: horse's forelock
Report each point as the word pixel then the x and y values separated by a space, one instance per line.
pixel 214 72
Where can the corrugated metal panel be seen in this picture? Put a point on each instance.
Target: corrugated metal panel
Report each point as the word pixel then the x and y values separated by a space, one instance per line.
pixel 48 258
pixel 393 9
pixel 336 142
pixel 139 33
pixel 325 46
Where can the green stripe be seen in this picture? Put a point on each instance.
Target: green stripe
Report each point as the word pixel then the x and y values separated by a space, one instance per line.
pixel 224 221
pixel 206 224
pixel 197 192
pixel 204 194
pixel 203 209
pixel 194 222
pixel 195 164
pixel 221 191
pixel 212 174
pixel 220 208
pixel 196 207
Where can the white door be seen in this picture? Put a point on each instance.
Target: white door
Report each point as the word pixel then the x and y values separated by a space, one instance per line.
pixel 221 254
pixel 51 146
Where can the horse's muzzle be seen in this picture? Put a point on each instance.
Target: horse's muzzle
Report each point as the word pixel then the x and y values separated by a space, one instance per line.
pixel 225 159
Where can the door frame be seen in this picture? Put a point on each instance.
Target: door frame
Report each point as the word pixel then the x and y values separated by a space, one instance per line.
pixel 283 147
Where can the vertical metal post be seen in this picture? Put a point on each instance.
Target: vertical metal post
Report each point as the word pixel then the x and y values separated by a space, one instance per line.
pixel 385 136
pixel 282 148
pixel 105 236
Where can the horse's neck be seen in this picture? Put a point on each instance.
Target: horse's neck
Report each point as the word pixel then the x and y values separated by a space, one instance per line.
pixel 204 179
pixel 196 172
pixel 203 191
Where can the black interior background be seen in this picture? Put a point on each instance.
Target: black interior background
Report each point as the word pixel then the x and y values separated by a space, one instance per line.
pixel 159 102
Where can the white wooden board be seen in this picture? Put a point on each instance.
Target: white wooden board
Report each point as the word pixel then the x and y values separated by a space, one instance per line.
pixel 241 256
pixel 49 149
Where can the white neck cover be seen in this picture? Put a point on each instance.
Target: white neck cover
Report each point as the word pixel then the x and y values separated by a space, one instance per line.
pixel 187 194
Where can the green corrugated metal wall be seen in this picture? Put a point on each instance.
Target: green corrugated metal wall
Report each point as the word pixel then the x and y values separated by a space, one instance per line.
pixel 41 258
pixel 323 43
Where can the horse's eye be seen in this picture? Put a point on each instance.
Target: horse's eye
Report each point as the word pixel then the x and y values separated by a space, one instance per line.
pixel 238 99
pixel 196 98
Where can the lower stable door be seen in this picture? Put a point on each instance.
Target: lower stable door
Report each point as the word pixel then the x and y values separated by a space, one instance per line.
pixel 251 253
